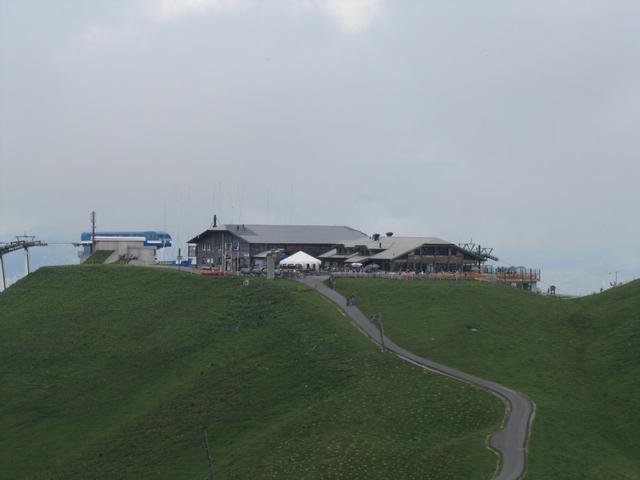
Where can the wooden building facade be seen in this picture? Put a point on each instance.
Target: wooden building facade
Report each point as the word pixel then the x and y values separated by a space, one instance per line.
pixel 394 254
pixel 232 247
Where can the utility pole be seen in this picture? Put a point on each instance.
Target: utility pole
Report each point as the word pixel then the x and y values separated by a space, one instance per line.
pixel 93 232
pixel 209 459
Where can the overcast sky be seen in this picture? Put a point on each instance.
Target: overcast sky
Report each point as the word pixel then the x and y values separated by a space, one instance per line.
pixel 511 123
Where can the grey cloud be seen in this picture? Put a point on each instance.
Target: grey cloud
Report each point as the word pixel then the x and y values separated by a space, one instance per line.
pixel 513 124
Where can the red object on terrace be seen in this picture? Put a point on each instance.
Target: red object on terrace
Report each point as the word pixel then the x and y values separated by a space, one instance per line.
pixel 212 273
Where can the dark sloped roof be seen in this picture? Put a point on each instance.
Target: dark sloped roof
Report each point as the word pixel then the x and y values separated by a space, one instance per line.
pixel 289 234
pixel 387 248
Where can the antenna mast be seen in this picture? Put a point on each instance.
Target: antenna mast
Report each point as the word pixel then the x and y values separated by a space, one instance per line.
pixel 93 232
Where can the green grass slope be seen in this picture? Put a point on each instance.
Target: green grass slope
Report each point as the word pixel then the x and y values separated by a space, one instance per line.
pixel 577 359
pixel 98 257
pixel 114 372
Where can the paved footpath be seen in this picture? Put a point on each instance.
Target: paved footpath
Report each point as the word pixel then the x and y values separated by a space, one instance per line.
pixel 511 441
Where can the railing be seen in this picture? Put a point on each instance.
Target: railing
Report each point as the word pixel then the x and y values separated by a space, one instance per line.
pixel 529 276
pixel 402 276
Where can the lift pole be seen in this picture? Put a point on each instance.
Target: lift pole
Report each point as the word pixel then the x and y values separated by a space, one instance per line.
pixel 4 285
pixel 23 242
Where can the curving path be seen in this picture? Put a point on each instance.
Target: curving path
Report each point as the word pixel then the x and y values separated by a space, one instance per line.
pixel 511 441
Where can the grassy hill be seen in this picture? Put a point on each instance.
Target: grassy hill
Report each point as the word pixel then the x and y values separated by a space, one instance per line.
pixel 115 371
pixel 577 359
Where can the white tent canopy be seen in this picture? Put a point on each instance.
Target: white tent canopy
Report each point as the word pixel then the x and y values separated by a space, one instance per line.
pixel 301 260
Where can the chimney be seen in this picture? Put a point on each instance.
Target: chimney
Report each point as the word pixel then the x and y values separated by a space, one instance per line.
pixel 389 234
pixel 376 237
pixel 215 221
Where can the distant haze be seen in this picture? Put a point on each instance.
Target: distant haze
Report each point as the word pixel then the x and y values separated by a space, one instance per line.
pixel 515 124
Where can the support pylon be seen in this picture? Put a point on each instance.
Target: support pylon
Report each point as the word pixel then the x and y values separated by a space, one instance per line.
pixel 26 261
pixel 4 284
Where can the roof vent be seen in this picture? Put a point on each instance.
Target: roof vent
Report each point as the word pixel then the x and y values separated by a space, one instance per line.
pixel 389 234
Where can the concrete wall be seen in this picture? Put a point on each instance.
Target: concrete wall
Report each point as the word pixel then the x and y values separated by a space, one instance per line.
pixel 129 249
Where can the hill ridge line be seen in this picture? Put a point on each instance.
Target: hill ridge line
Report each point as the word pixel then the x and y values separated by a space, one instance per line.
pixel 511 441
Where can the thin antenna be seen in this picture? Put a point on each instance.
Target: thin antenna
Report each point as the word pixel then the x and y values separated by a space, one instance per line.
pixel 93 232
pixel 164 225
pixel 188 215
pixel 179 208
pixel 268 211
pixel 220 196
pixel 239 204
pixel 233 212
pixel 615 282
pixel 242 204
pixel 291 206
